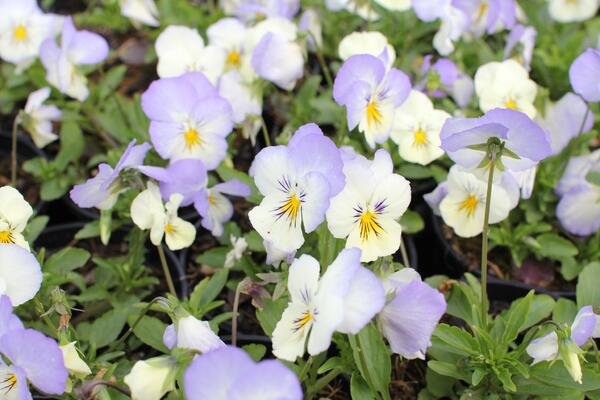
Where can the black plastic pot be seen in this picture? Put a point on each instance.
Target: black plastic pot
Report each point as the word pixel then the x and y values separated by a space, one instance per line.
pixel 26 150
pixel 59 236
pixel 455 265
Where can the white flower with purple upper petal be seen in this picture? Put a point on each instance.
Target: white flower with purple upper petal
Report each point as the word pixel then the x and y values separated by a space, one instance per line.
pixel 525 142
pixel 416 129
pixel 455 22
pixel 15 211
pixel 297 180
pixel 409 318
pixel 23 28
pixel 369 42
pixel 140 11
pixel 230 374
pixel 573 10
pixel 505 84
pixel 521 38
pixel 548 347
pixel 102 191
pixel 191 333
pixel 584 73
pixel 259 10
pixel 488 16
pixel 38 117
pixel 62 63
pixel 188 119
pixel 215 208
pixel 371 93
pixel 579 207
pixel 367 211
pixel 20 274
pixel 344 299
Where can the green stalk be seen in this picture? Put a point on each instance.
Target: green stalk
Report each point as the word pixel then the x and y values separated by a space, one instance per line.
pixel 121 340
pixel 234 314
pixel 484 242
pixel 354 339
pixel 165 267
pixel 13 164
pixel 265 132
pixel 404 253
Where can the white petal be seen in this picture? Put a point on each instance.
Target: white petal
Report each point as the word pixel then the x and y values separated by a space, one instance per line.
pixel 181 234
pixel 14 209
pixel 303 279
pixel 544 348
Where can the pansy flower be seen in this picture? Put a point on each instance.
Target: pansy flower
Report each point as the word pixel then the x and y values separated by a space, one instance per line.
pixel 140 11
pixel 215 208
pixel 38 118
pixel 15 211
pixel 191 333
pixel 297 181
pixel 188 119
pixel 371 93
pixel 584 73
pixel 20 274
pixel 367 211
pixel 488 15
pixel 572 10
pixel 344 299
pixel 260 10
pixel 454 22
pixel 62 63
pixel 231 37
pixel 369 42
pixel 443 78
pixel 153 378
pixel 522 41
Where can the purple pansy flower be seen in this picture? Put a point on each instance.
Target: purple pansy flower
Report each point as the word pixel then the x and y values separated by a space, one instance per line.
pixel 525 37
pixel 488 15
pixel 584 73
pixel 215 208
pixel 188 119
pixel 297 180
pixel 102 191
pixel 439 77
pixel 230 374
pixel 371 93
pixel 522 137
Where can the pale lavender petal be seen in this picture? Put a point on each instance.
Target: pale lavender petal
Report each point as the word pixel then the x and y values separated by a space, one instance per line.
pixel 233 187
pixel 430 10
pixel 315 202
pixel 357 100
pixel 186 177
pixel 434 198
pixel 168 98
pixel 68 32
pixel 214 116
pixel 211 375
pixel 278 60
pixel 361 67
pixel 39 356
pixel 132 157
pixel 267 380
pixel 200 84
pixel 565 120
pixel 409 320
pixel 89 194
pixel 576 171
pixel 87 48
pixel 170 337
pixel 8 321
pixel 201 204
pixel 584 73
pixel 397 87
pixel 579 210
pixel 583 325
pixel 456 143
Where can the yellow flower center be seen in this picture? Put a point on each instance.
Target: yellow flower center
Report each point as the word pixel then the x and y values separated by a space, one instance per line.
pixel 169 228
pixel 369 226
pixel 6 237
pixel 212 200
pixel 510 103
pixel 8 383
pixel 301 322
pixel 482 10
pixel 469 205
pixel 20 33
pixel 290 209
pixel 373 114
pixel 192 138
pixel 234 59
pixel 421 137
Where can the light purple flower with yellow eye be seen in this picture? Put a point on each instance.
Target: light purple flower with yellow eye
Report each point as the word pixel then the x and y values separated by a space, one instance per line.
pixel 488 15
pixel 410 317
pixel 230 374
pixel 525 143
pixel 371 93
pixel 443 78
pixel 62 63
pixel 522 39
pixel 579 207
pixel 188 119
pixel 102 191
pixel 584 73
pixel 297 181
pixel 215 208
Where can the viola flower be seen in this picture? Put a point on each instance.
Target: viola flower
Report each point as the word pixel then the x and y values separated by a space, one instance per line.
pixel 310 24
pixel 522 42
pixel 416 129
pixel 76 48
pixel 410 317
pixel 215 208
pixel 439 77
pixel 181 49
pixel 232 38
pixel 28 356
pixel 149 212
pixel 344 299
pixel 245 98
pixel 373 43
pixel 103 190
pixel 550 347
pixel 367 211
pixel 579 207
pixel 564 120
pixel 572 10
pixel 297 181
pixel 434 198
pixel 525 143
pixel 191 333
pixel 584 74
pixel 73 361
pixel 275 256
pixel 260 10
pixel 455 22
pixel 395 5
pixel 24 27
pixel 152 379
pixel 15 211
pixel 37 119
pixel 371 94
pixel 239 246
pixel 505 84
pixel 357 7
pixel 463 206
pixel 140 11
pixel 188 119
pixel 488 15
pixel 229 373
pixel 277 56
pixel 20 274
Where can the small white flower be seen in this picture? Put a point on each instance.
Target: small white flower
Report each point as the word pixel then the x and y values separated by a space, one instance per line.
pixel 148 212
pixel 15 211
pixel 235 254
pixel 505 84
pixel 416 129
pixel 152 379
pixel 140 11
pixel 191 333
pixel 73 361
pixel 39 117
pixel 573 10
pixel 373 43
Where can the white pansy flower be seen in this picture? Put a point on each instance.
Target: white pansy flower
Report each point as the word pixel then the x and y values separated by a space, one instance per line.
pixel 573 10
pixel 191 333
pixel 140 11
pixel 38 118
pixel 373 43
pixel 15 211
pixel 395 5
pixel 152 379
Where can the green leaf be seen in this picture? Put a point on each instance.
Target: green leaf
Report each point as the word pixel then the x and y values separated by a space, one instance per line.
pixel 411 222
pixel 458 339
pixel 208 289
pixel 67 259
pixel 107 328
pixel 593 177
pixel 372 358
pixel 448 369
pixel 72 144
pixel 516 318
pixel 270 315
pixel 541 308
pixel 556 247
pixel 414 171
pixel 359 390
pixel 149 330
pixel 214 257
pixel 588 284
pixel 34 227
pixel 255 351
pixel 564 311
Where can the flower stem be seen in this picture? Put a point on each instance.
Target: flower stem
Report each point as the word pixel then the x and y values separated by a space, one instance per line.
pixel 321 383
pixel 484 241
pixel 234 314
pixel 404 253
pixel 265 132
pixel 166 271
pixel 13 165
pixel 132 327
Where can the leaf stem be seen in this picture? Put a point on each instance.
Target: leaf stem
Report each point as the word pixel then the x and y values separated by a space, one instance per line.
pixel 166 271
pixel 484 242
pixel 265 132
pixel 234 314
pixel 404 253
